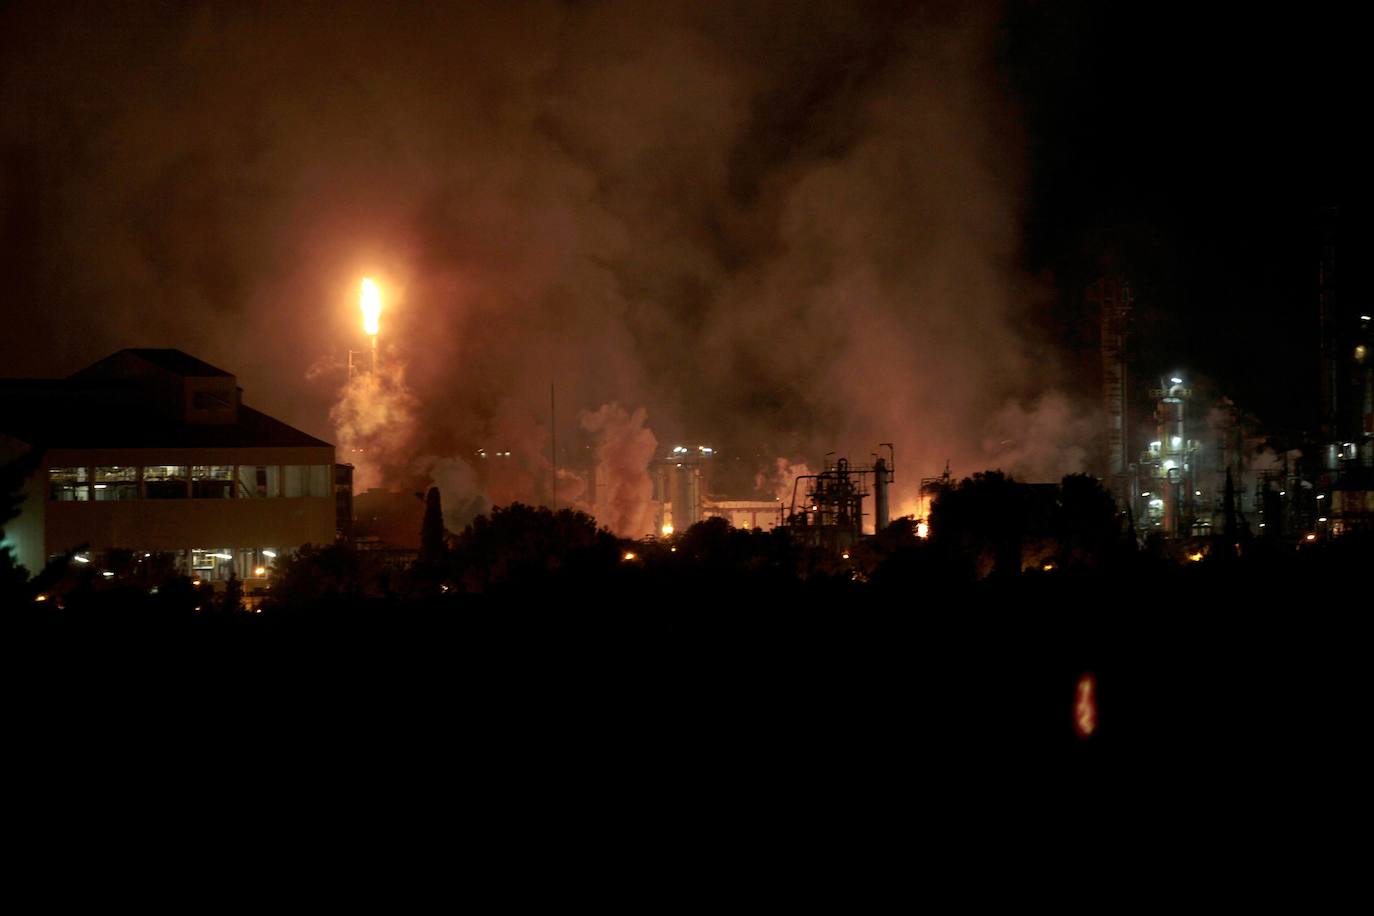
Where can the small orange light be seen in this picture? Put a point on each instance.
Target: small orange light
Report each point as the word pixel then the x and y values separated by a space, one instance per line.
pixel 1085 706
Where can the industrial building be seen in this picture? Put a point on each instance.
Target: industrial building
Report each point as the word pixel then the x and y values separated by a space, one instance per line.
pixel 1308 487
pixel 829 513
pixel 153 452
pixel 683 495
pixel 1345 479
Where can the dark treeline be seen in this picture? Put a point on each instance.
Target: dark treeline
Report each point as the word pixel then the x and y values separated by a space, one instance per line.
pixel 534 636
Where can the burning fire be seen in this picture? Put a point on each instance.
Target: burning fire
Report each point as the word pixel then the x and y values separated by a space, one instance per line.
pixel 1085 707
pixel 371 303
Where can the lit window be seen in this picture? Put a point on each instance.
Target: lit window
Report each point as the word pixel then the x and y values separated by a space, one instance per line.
pixel 165 481
pixel 115 483
pixel 307 480
pixel 67 485
pixel 212 481
pixel 259 481
pixel 212 564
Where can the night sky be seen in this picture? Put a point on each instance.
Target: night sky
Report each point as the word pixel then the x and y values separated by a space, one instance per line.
pixel 781 227
pixel 1195 148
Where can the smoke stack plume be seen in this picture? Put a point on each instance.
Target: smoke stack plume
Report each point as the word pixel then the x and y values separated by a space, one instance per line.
pixel 624 448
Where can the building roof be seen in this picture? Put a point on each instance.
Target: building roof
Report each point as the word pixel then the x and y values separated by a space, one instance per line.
pixel 113 404
pixel 172 360
pixel 105 425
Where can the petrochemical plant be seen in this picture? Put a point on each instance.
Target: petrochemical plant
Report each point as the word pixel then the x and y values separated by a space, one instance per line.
pixel 1206 469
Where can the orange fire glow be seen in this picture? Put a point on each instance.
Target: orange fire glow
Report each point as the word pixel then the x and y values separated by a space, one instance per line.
pixel 371 303
pixel 1085 707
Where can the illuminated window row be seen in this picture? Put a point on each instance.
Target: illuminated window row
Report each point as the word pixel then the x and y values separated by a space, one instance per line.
pixel 205 564
pixel 213 481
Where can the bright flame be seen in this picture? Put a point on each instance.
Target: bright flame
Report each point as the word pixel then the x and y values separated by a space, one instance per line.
pixel 371 303
pixel 1195 557
pixel 1085 707
pixel 667 530
pixel 922 530
pixel 629 555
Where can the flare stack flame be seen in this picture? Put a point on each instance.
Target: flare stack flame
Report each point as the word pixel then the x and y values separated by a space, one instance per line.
pixel 371 302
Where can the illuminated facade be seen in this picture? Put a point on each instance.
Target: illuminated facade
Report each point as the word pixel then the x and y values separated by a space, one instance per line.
pixel 152 453
pixel 1168 469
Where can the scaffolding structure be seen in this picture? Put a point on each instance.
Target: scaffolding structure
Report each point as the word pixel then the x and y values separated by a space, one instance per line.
pixel 1169 467
pixel 1112 295
pixel 830 514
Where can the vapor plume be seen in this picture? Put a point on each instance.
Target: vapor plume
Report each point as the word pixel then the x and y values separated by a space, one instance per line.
pixel 374 424
pixel 624 448
pixel 784 229
pixel 780 481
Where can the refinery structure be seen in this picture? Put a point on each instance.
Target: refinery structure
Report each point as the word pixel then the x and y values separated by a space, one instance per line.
pixel 1197 470
pixel 154 451
pixel 1180 467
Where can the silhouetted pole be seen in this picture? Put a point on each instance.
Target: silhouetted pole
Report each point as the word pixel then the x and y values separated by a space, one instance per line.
pixel 1230 530
pixel 553 451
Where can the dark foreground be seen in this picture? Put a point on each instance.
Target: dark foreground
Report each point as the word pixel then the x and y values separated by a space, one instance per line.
pixel 1226 696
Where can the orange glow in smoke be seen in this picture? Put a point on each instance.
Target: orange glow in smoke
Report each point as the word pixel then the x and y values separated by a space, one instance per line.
pixel 371 303
pixel 1085 706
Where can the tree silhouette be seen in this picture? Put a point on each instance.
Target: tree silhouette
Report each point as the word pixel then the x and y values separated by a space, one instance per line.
pixel 231 602
pixel 519 543
pixel 1086 524
pixel 431 564
pixel 992 524
pixel 14 578
pixel 979 524
pixel 316 575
